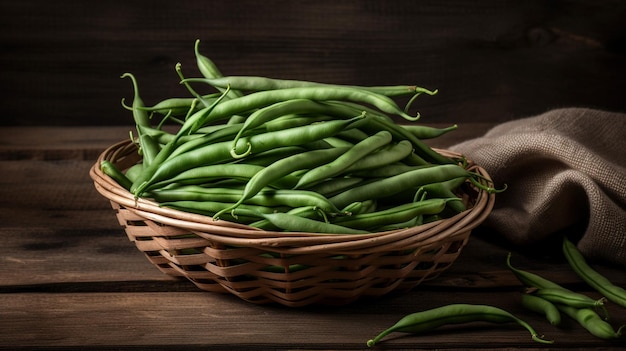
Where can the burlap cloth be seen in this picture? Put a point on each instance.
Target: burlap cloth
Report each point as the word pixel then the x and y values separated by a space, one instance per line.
pixel 566 171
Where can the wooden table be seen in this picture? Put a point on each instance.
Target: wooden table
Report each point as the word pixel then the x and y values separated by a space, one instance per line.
pixel 71 280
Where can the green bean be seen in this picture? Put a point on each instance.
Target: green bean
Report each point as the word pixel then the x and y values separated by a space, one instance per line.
pixel 109 169
pixel 554 292
pixel 140 116
pixel 210 70
pixel 380 121
pixel 353 135
pixel 261 99
pixel 427 132
pixel 311 212
pixel 559 296
pixel 530 279
pixel 336 185
pixel 281 168
pixel 400 133
pixel 133 172
pixel 223 134
pixel 359 207
pixel 295 223
pixel 592 322
pixel 423 321
pixel 295 120
pixel 393 185
pixel 220 152
pixel 389 170
pixel 384 157
pixel 190 126
pixel 397 214
pixel 282 108
pixel 203 174
pixel 208 208
pixel 336 142
pixel 267 158
pixel 345 160
pixel 175 106
pixel 541 306
pixel 256 83
pixel 266 197
pixel 578 263
pixel 148 147
pixel 444 190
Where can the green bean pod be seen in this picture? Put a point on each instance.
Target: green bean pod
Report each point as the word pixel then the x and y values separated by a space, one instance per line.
pixel 592 322
pixel 210 70
pixel 530 279
pixel 109 169
pixel 543 307
pixel 445 189
pixel 262 99
pixel 266 197
pixel 256 83
pixel 282 108
pixel 310 212
pixel 345 160
pixel 423 321
pixel 249 213
pixel 554 292
pixel 381 159
pixel 295 223
pixel 393 185
pixel 282 168
pixel 566 297
pixel 597 281
pixel 220 152
pixel 139 115
pixel 397 214
pixel 427 132
pixel 148 146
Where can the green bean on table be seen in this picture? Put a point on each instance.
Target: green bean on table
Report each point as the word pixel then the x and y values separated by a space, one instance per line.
pixel 541 306
pixel 423 321
pixel 592 277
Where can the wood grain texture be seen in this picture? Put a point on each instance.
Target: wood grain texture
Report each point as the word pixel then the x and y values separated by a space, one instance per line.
pixel 71 280
pixel 491 60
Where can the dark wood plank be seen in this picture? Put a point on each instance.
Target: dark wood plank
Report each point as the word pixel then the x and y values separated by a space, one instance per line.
pixel 71 279
pixel 492 61
pixel 196 320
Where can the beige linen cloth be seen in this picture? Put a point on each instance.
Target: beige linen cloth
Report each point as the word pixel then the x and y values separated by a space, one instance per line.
pixel 565 168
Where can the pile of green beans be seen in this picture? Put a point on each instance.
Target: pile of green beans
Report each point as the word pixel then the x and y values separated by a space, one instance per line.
pixel 550 299
pixel 289 155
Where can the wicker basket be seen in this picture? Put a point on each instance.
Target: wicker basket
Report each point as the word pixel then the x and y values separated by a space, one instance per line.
pixel 292 269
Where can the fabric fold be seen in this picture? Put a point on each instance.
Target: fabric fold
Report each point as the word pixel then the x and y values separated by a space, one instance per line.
pixel 563 168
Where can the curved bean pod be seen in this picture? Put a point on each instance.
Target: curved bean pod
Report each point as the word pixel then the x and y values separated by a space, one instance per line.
pixel 393 185
pixel 282 108
pixel 380 159
pixel 541 306
pixel 578 263
pixel 281 168
pixel 592 322
pixel 294 223
pixel 397 214
pixel 420 322
pixel 220 152
pixel 345 160
pixel 256 83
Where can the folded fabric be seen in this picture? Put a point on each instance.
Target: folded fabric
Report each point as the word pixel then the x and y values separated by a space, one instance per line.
pixel 564 169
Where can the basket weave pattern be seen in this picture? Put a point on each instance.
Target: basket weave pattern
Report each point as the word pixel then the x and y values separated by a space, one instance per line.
pixel 289 268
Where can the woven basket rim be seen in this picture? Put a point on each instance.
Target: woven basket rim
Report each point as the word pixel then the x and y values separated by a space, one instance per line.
pixel 124 152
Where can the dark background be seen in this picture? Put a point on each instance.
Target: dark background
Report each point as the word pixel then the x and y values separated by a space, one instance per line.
pixel 61 61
